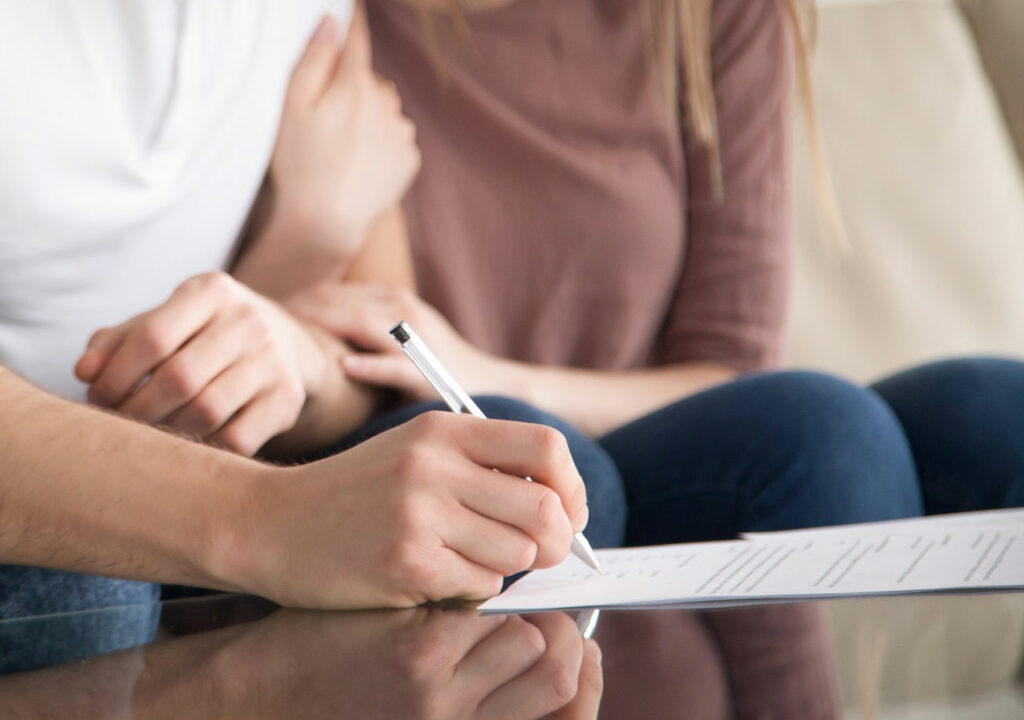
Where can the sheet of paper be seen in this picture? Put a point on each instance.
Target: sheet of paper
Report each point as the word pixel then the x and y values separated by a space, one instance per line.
pixel 918 555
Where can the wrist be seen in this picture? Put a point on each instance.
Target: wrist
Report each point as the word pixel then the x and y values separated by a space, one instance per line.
pixel 236 547
pixel 326 236
pixel 517 380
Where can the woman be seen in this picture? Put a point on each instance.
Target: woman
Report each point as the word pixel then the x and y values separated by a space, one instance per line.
pixel 621 265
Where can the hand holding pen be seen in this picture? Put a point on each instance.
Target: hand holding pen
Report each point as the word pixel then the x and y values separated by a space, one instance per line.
pixel 459 401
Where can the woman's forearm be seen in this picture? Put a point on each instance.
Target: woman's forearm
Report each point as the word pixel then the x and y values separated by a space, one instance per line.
pixel 598 401
pixel 286 256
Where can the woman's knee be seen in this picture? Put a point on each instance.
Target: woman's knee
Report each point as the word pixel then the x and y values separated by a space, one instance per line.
pixel 963 418
pixel 605 494
pixel 840 453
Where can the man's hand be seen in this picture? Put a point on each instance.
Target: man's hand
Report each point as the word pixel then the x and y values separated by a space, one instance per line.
pixel 216 361
pixel 417 513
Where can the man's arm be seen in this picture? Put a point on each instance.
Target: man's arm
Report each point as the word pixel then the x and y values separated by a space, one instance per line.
pixel 414 514
pixel 89 491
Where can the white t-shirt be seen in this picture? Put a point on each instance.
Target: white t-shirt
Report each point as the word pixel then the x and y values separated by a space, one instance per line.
pixel 134 135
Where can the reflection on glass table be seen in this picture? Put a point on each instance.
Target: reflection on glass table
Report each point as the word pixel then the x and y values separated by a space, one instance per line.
pixel 895 658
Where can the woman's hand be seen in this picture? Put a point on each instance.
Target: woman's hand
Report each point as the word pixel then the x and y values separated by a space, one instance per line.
pixel 361 315
pixel 216 361
pixel 345 154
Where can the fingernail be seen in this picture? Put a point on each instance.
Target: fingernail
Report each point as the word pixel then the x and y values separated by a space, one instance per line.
pixel 581 519
pixel 352 363
pixel 593 651
pixel 325 30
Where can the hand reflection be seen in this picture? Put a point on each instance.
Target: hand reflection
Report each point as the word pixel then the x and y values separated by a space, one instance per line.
pixel 419 663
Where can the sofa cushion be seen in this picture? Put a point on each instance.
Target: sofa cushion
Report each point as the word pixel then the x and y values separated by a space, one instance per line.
pixel 931 192
pixel 998 27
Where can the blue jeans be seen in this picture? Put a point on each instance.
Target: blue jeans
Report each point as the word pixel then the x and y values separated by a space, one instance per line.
pixel 96 615
pixel 795 449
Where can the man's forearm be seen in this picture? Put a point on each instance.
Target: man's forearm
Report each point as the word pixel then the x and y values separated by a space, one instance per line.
pixel 93 492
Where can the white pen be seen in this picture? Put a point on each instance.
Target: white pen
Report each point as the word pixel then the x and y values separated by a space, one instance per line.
pixel 458 401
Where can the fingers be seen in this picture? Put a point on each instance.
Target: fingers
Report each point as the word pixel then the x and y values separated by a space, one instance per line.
pixel 100 347
pixel 356 313
pixel 470 581
pixel 534 510
pixel 587 703
pixel 390 371
pixel 505 654
pixel 312 74
pixel 183 376
pixel 151 340
pixel 551 683
pixel 490 543
pixel 527 450
pixel 218 402
pixel 267 416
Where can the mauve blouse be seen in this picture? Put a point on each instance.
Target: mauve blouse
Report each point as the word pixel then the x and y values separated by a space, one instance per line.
pixel 561 216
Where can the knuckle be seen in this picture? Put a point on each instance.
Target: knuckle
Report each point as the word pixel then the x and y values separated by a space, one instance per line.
pixel 292 394
pixel 413 568
pixel 417 658
pixel 154 340
pixel 531 639
pixel 415 464
pixel 218 283
pixel 432 424
pixel 521 557
pixel 209 412
pixel 552 446
pixel 562 684
pixel 178 380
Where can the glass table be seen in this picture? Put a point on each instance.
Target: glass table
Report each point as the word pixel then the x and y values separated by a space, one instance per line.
pixel 230 656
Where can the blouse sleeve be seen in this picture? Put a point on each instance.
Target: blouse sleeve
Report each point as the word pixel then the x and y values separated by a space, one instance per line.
pixel 730 305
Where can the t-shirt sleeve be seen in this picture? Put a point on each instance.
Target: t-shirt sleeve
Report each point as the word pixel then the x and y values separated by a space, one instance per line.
pixel 730 305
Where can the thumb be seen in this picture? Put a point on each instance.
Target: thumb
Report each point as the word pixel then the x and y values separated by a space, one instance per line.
pixel 313 71
pixel 357 55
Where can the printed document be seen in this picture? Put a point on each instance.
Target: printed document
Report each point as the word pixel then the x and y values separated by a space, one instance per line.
pixel 968 551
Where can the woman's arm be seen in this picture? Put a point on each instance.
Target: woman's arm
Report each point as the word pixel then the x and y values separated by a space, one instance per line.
pixel 595 401
pixel 344 157
pixel 728 314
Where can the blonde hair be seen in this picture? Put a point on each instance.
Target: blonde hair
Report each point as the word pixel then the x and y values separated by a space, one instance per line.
pixel 682 41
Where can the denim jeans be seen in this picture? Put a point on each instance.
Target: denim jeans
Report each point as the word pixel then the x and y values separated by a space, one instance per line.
pixel 94 615
pixel 784 450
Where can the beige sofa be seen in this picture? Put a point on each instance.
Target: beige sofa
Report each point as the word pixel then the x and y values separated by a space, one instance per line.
pixel 922 106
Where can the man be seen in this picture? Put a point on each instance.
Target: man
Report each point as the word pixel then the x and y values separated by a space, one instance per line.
pixel 134 137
